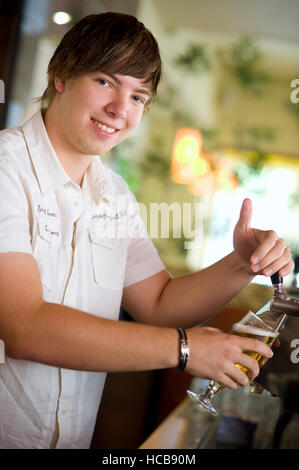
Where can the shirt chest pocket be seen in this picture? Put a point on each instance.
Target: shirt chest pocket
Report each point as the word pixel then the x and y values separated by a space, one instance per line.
pixel 46 251
pixel 108 260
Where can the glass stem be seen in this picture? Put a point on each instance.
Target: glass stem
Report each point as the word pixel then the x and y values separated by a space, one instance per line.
pixel 209 392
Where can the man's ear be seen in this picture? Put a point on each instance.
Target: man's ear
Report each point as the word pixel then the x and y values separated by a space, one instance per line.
pixel 59 84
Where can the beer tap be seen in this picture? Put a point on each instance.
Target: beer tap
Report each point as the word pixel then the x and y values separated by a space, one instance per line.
pixel 280 302
pixel 294 287
pixel 275 313
pixel 287 384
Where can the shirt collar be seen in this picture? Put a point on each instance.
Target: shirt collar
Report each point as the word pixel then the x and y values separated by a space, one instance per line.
pixel 96 180
pixel 49 171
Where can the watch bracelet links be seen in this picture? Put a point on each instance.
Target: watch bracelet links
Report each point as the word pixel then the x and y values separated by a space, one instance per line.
pixel 183 349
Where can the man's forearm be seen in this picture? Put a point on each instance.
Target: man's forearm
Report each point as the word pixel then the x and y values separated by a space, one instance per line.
pixel 188 300
pixel 64 337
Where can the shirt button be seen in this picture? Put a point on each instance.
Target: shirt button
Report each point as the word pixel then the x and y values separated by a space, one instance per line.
pixel 77 203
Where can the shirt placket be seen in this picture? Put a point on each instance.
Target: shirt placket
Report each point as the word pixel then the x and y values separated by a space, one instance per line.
pixel 66 414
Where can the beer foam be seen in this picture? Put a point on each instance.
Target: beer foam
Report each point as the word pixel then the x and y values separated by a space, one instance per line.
pixel 253 330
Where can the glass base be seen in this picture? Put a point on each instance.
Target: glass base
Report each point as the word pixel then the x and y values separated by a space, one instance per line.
pixel 202 402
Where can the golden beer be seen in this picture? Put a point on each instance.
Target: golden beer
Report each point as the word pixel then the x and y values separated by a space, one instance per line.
pixel 250 326
pixel 248 331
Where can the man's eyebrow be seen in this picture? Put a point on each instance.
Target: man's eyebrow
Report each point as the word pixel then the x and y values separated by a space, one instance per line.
pixel 144 91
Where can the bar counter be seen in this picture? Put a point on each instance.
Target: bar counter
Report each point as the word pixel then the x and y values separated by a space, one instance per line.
pixel 189 427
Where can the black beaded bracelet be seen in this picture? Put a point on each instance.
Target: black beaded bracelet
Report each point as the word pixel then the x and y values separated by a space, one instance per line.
pixel 183 349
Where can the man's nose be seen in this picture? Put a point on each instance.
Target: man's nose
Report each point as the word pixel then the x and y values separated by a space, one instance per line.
pixel 117 107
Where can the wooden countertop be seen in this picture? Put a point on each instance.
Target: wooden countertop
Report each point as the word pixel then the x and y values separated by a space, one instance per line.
pixel 171 433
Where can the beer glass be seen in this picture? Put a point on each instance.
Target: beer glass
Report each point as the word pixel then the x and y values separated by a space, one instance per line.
pixel 250 326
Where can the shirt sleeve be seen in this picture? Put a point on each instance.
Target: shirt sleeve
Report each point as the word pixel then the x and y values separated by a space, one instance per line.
pixel 14 220
pixel 143 259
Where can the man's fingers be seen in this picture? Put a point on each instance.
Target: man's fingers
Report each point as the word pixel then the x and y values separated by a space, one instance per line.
pixel 240 374
pixel 286 269
pixel 253 345
pixel 281 265
pixel 228 382
pixel 245 214
pixel 250 364
pixel 233 377
pixel 265 359
pixel 267 240
pixel 277 253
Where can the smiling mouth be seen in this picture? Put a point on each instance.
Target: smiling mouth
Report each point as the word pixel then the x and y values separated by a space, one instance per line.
pixel 103 127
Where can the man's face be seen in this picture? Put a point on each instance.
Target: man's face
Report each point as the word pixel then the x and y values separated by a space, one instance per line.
pixel 98 110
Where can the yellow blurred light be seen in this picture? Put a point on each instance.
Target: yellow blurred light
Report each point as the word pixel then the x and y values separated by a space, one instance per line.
pixel 187 148
pixel 191 166
pixel 200 166
pixel 186 161
pixel 61 17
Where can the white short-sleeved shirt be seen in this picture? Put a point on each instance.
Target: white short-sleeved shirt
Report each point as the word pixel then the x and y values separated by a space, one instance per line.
pixel 83 241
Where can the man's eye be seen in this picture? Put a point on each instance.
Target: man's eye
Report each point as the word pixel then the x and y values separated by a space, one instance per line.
pixel 103 82
pixel 138 99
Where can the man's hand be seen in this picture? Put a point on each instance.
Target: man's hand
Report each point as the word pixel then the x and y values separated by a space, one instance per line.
pixel 262 251
pixel 263 361
pixel 214 355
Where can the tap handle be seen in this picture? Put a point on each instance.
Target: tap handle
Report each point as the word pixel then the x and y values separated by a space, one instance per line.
pixel 276 279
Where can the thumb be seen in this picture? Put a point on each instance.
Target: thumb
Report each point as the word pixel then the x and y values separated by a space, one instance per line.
pixel 245 214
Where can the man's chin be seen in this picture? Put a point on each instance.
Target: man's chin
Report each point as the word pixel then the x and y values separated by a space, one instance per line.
pixel 96 150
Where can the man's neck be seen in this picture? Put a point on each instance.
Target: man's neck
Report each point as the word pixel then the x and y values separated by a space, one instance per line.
pixel 73 163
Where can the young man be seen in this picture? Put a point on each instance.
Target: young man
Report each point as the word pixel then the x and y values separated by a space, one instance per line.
pixel 63 279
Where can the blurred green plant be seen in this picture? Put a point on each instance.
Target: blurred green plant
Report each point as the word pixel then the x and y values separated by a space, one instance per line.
pixel 247 171
pixel 166 97
pixel 294 247
pixel 253 141
pixel 243 60
pixel 195 59
pixel 256 140
pixel 130 172
pixel 157 161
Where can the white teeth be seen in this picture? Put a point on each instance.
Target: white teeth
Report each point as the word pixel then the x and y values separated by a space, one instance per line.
pixel 110 130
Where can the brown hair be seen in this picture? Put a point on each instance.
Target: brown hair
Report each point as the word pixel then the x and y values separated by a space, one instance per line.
pixel 108 42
